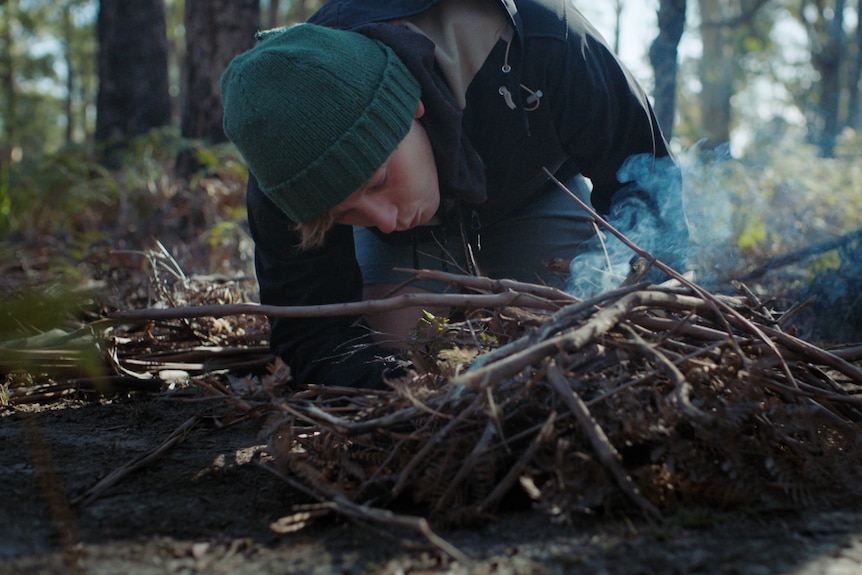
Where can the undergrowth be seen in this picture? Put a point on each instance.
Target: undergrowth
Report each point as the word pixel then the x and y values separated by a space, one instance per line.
pixel 72 209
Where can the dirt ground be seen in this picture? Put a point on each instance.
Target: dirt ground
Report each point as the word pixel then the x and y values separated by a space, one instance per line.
pixel 205 506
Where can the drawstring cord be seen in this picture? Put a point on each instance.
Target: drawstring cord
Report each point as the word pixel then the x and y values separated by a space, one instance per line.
pixel 506 67
pixel 534 98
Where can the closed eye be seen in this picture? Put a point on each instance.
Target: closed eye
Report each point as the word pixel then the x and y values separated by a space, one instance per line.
pixel 377 181
pixel 346 211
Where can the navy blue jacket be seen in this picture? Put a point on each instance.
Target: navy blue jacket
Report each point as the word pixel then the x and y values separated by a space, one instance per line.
pixel 592 119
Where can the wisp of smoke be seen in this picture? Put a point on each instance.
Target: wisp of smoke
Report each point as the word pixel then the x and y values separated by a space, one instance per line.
pixel 648 210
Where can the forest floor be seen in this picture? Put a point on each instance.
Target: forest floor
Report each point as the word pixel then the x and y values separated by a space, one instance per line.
pixel 206 506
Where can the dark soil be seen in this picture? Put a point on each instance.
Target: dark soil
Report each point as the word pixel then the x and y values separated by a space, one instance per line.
pixel 205 506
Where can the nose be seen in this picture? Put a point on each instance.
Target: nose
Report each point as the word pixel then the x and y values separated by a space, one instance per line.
pixel 381 213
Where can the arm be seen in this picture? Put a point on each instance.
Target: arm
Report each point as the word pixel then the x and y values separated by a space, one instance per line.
pixel 329 351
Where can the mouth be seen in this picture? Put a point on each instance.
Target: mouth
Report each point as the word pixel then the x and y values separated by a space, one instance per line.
pixel 417 218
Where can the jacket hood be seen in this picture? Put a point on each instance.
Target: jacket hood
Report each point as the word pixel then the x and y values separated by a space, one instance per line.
pixel 352 13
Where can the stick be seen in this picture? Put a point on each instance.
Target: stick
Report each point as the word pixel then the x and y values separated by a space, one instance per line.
pixel 367 307
pixel 605 451
pixel 340 504
pixel 138 463
pixel 438 438
pixel 799 255
pixel 419 524
pixel 492 285
pixel 601 323
pixel 682 388
pixel 560 320
pixel 512 475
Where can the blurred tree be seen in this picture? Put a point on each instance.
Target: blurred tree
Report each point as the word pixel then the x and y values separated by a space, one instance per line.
pixel 663 58
pixel 854 77
pixel 716 74
pixel 133 71
pixel 272 14
pixel 300 10
pixel 28 112
pixel 79 51
pixel 729 29
pixel 824 22
pixel 10 89
pixel 176 32
pixel 618 19
pixel 216 31
pixel 70 76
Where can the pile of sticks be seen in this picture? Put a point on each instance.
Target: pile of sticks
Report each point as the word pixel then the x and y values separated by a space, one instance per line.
pixel 645 398
pixel 649 397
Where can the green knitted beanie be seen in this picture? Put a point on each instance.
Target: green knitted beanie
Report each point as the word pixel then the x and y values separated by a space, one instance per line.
pixel 315 112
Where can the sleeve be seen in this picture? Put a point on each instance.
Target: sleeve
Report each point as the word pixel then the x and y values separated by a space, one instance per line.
pixel 607 126
pixel 327 351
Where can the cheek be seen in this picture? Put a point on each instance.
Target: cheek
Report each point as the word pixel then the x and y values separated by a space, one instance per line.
pixel 432 186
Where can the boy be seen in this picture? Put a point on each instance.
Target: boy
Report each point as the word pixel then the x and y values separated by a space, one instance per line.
pixel 415 134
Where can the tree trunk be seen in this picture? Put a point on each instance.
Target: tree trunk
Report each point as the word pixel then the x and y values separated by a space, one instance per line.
pixel 216 31
pixel 716 76
pixel 663 58
pixel 618 18
pixel 133 70
pixel 70 75
pixel 301 10
pixel 854 113
pixel 8 128
pixel 273 14
pixel 828 61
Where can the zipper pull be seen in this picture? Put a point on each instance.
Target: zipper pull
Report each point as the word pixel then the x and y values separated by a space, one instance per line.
pixel 533 100
pixel 507 96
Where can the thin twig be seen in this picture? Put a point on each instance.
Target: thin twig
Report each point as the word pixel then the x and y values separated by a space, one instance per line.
pixel 366 307
pixel 601 323
pixel 557 322
pixel 344 506
pixel 515 471
pixel 682 388
pixel 137 463
pixel 486 284
pixel 438 438
pixel 605 451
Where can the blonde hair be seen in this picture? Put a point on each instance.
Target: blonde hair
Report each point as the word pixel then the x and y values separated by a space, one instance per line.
pixel 314 231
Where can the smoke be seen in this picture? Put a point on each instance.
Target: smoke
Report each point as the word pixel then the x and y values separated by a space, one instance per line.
pixel 714 190
pixel 777 217
pixel 649 212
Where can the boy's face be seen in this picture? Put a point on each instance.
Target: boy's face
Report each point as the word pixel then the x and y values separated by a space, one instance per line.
pixel 402 194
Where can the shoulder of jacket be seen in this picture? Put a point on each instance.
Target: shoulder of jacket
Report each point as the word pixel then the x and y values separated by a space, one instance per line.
pixel 349 13
pixel 556 19
pixel 541 18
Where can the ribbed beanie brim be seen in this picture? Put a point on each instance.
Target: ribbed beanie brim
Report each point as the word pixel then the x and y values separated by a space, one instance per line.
pixel 314 112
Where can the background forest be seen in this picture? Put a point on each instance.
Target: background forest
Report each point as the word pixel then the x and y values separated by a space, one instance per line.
pixel 110 136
